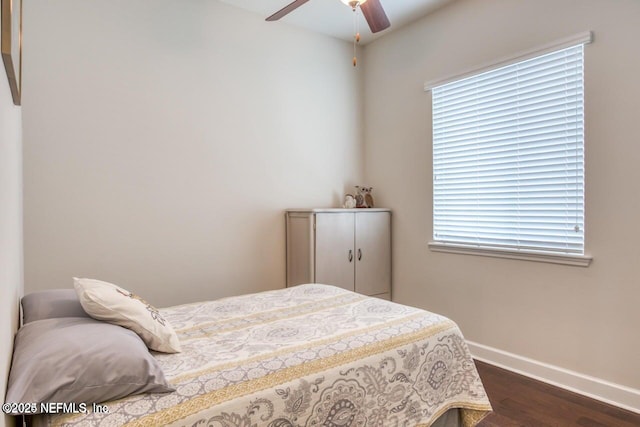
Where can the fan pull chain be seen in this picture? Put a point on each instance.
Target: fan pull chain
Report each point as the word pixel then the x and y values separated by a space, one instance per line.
pixel 356 30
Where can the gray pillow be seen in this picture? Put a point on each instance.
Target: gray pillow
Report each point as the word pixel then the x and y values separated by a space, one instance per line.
pixel 77 360
pixel 51 304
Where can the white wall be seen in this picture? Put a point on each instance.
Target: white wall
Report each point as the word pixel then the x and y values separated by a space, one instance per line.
pixel 164 139
pixel 10 228
pixel 582 319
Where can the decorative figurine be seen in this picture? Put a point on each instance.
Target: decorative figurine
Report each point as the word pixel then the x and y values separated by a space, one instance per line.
pixel 364 199
pixel 349 202
pixel 368 198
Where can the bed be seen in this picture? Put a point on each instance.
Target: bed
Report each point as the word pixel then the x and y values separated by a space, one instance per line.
pixel 309 355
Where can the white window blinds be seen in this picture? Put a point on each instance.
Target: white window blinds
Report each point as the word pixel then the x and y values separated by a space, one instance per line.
pixel 508 156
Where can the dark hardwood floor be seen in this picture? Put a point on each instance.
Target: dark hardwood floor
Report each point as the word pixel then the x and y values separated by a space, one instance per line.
pixel 521 401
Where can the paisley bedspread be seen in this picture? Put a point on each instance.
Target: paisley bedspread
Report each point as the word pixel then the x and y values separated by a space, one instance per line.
pixel 310 355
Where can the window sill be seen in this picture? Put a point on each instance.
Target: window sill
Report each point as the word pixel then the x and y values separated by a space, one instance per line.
pixel 566 259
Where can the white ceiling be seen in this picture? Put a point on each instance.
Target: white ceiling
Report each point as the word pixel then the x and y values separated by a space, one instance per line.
pixel 334 18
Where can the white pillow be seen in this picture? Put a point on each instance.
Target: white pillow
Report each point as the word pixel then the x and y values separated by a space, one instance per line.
pixel 108 302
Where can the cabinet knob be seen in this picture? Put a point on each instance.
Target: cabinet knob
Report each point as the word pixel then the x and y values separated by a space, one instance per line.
pixel 350 255
pixel 359 254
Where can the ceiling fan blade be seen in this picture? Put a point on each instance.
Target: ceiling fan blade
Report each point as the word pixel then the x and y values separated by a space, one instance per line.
pixel 375 16
pixel 286 10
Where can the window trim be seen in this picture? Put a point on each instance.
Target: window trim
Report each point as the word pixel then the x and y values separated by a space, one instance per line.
pixel 581 38
pixel 508 253
pixel 524 255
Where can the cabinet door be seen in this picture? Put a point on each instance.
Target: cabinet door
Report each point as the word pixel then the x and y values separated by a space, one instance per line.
pixel 335 256
pixel 373 252
pixel 300 248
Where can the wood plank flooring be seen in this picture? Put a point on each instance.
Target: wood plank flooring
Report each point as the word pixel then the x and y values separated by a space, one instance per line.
pixel 519 401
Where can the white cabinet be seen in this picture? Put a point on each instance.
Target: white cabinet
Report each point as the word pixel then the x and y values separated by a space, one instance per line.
pixel 350 248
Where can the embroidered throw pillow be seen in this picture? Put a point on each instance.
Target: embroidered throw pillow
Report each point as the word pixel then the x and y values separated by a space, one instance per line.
pixel 110 303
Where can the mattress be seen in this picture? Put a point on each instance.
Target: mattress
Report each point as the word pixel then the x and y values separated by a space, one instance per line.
pixel 309 355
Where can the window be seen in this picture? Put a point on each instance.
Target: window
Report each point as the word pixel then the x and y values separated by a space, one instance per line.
pixel 508 158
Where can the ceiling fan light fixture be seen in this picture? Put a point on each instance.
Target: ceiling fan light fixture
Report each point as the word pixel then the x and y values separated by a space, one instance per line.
pixel 373 13
pixel 353 3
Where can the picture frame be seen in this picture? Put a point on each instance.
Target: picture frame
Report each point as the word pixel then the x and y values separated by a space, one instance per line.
pixel 11 45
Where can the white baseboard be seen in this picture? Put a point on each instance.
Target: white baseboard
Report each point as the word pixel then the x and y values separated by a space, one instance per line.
pixel 615 394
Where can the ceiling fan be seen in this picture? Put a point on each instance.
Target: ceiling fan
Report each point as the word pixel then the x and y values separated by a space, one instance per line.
pixel 371 9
